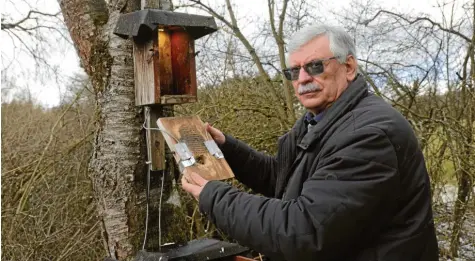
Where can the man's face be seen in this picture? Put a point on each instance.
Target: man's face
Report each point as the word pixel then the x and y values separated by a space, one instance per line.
pixel 317 92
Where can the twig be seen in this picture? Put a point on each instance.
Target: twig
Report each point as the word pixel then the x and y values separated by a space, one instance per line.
pixel 6 26
pixel 26 192
pixel 452 31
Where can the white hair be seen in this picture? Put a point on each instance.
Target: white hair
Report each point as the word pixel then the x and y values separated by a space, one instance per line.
pixel 341 43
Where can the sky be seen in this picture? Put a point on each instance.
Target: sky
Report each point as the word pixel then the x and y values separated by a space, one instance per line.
pixel 61 55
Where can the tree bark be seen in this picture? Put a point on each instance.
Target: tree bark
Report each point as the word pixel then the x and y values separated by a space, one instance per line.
pixel 117 167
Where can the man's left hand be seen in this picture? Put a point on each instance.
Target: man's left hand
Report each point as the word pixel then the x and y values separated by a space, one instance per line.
pixel 193 183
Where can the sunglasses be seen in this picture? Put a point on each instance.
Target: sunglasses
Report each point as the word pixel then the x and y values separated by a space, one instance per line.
pixel 312 68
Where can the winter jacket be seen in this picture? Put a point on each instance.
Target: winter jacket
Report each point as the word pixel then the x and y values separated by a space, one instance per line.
pixel 354 187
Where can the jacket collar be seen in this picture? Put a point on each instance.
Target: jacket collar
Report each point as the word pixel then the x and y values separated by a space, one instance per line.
pixel 347 101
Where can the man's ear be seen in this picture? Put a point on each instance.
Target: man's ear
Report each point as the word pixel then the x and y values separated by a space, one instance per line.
pixel 351 68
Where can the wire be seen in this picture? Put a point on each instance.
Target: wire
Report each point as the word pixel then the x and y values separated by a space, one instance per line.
pixel 148 203
pixel 147 137
pixel 168 133
pixel 146 120
pixel 159 210
pixel 160 214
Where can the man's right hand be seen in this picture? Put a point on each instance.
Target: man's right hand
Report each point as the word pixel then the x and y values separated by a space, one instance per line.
pixel 216 134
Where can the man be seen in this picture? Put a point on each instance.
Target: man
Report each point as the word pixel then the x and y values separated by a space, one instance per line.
pixel 349 180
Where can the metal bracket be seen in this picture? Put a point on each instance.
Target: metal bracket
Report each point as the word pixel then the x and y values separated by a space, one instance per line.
pixel 214 149
pixel 186 157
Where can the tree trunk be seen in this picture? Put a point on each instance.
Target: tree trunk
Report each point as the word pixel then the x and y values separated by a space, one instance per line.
pixel 117 166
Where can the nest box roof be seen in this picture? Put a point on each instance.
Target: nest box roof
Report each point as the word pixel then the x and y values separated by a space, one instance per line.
pixel 141 23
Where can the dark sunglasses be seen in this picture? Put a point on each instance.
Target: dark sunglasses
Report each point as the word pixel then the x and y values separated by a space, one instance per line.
pixel 312 68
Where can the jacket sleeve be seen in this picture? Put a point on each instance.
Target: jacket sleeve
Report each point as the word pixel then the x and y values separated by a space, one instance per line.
pixel 337 206
pixel 254 169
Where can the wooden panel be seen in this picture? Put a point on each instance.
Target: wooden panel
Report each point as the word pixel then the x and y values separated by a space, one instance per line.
pixel 164 81
pixel 144 73
pixel 193 84
pixel 181 62
pixel 177 99
pixel 190 130
pixel 155 140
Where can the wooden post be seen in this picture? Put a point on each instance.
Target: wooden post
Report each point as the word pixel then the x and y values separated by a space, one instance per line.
pixel 155 141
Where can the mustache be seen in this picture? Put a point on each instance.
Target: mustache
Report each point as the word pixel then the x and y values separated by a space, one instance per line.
pixel 309 87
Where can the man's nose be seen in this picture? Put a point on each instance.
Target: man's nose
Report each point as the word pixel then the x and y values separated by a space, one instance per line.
pixel 304 77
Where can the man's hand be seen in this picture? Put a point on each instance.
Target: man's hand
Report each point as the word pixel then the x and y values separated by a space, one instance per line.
pixel 216 134
pixel 193 183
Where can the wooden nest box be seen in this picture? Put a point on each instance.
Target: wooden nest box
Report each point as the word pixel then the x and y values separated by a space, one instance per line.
pixel 164 53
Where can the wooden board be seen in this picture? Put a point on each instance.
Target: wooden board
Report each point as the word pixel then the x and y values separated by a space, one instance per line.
pixel 177 99
pixel 183 62
pixel 144 73
pixel 155 141
pixel 191 131
pixel 164 78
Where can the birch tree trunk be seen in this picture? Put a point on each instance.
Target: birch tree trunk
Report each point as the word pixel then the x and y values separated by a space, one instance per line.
pixel 117 166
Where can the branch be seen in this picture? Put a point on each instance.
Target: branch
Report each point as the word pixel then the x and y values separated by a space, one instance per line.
pixel 231 14
pixel 271 4
pixel 389 74
pixel 34 176
pixel 371 82
pixel 282 18
pixel 279 38
pixel 273 66
pixel 252 51
pixel 213 13
pixel 32 52
pixel 234 27
pixel 6 26
pixel 452 31
pixel 300 13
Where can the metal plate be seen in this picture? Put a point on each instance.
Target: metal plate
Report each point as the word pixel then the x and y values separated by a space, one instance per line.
pixel 214 149
pixel 186 156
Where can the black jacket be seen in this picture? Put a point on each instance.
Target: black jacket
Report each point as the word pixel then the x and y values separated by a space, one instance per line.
pixel 353 188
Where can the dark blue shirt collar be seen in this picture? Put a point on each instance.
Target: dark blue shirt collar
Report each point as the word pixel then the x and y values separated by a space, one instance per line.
pixel 313 119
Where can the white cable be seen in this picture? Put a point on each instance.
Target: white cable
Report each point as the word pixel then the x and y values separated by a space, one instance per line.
pixel 146 215
pixel 168 133
pixel 160 214
pixel 147 119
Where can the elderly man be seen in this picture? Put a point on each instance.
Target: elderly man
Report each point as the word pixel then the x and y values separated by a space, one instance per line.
pixel 349 180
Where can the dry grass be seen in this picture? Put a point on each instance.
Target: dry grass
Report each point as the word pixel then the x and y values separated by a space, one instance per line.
pixel 47 206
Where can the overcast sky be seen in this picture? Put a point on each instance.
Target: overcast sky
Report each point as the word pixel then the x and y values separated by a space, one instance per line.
pixel 63 59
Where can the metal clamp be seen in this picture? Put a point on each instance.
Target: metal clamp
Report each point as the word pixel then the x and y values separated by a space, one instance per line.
pixel 186 157
pixel 214 149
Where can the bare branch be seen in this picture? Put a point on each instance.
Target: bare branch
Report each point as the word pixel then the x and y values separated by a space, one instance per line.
pixel 271 5
pixel 6 26
pixel 237 32
pixel 279 38
pixel 449 30
pixel 252 51
pixel 212 12
pixel 231 14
